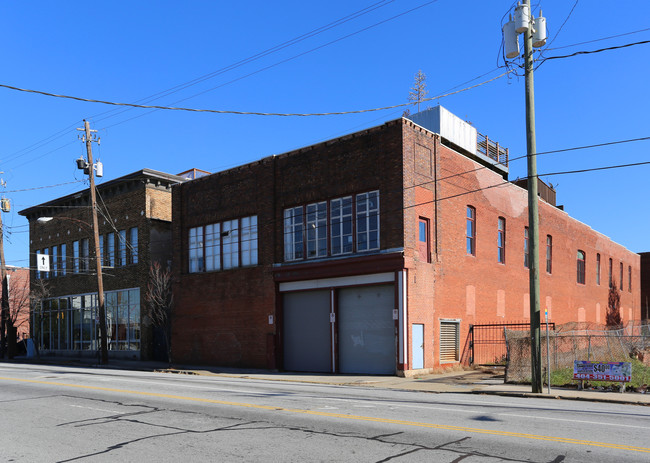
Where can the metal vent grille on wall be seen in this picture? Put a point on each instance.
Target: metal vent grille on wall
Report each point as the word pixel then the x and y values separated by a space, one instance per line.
pixel 449 341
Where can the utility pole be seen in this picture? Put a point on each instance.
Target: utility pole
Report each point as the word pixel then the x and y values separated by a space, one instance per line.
pixel 533 215
pixel 88 139
pixel 534 30
pixel 4 312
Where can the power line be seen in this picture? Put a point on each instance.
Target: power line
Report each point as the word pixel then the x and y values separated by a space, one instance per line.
pixel 598 40
pixel 282 62
pixel 565 21
pixel 259 55
pixel 597 51
pixel 250 113
pixel 43 187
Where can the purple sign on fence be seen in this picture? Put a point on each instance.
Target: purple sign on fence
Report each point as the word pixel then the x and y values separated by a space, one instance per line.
pixel 603 371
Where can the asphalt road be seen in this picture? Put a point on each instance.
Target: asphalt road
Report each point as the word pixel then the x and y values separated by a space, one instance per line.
pixel 63 414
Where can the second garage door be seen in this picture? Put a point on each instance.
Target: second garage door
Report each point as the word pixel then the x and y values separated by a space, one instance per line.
pixel 367 330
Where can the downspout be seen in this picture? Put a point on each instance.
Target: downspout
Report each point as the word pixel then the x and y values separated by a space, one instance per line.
pixel 435 193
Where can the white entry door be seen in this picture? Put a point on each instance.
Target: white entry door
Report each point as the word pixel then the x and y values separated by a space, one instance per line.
pixel 417 346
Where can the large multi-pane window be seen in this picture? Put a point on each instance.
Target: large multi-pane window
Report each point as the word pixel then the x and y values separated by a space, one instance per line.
pixel 317 229
pixel 598 269
pixel 581 259
pixel 230 243
pixel 249 241
pixel 341 226
pixel 75 256
pixel 293 233
pixel 224 245
pixel 72 322
pixel 526 248
pixel 368 221
pixel 470 233
pixel 133 242
pixel 212 247
pixel 501 240
pixel 549 254
pixel 353 226
pixel 196 249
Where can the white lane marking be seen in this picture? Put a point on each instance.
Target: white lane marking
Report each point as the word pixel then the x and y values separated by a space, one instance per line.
pixel 97 409
pixel 575 421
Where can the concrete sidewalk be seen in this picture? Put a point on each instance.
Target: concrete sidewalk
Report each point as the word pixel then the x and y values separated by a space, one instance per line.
pixel 469 381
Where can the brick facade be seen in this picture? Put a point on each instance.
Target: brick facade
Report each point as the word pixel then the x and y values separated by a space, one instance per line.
pixel 141 201
pixel 237 317
pixel 18 281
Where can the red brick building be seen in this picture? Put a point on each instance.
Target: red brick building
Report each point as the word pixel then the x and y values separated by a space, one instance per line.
pixel 374 252
pixel 18 283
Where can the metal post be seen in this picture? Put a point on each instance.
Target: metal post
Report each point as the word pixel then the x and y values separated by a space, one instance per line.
pixel 4 312
pixel 548 353
pixel 533 216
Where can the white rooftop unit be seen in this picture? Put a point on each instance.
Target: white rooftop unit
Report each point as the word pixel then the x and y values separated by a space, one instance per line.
pixel 447 125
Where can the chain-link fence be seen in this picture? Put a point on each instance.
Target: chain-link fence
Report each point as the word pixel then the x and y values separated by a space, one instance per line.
pixel 575 341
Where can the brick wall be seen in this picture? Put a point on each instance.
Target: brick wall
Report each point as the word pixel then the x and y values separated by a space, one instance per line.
pixel 223 317
pixel 478 289
pixel 133 204
pixel 19 299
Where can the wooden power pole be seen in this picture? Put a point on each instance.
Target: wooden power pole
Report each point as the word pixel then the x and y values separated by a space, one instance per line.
pixel 103 349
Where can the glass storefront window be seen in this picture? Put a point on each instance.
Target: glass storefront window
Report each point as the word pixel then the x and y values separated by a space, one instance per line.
pixel 72 323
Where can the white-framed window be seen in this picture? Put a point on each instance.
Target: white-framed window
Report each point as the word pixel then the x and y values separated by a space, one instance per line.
pixel 133 242
pixel 317 230
pixel 341 226
pixel 293 234
pixel 224 243
pixel 230 238
pixel 368 221
pixel 249 241
pixel 307 228
pixel 212 247
pixel 196 249
pixel 449 341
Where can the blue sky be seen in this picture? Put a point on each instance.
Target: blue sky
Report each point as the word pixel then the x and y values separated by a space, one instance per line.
pixel 126 51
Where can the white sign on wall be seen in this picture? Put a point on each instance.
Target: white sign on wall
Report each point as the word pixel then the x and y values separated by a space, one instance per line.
pixel 43 262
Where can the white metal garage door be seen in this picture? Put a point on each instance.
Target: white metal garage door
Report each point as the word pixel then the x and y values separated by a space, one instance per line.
pixel 306 331
pixel 366 329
